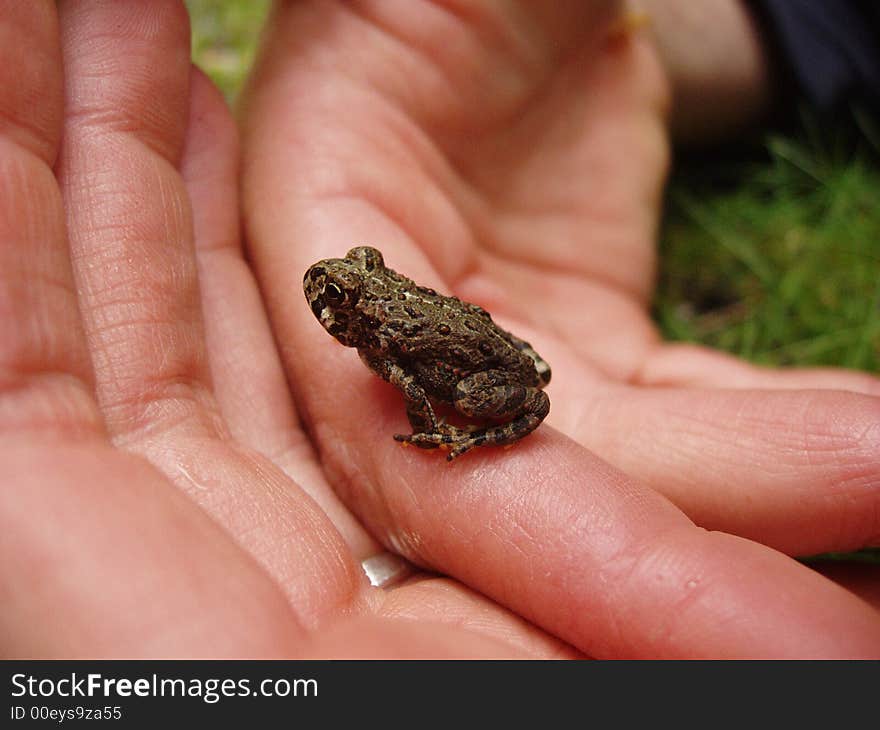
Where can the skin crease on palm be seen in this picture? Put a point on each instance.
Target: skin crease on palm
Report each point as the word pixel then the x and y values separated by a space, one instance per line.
pixel 193 468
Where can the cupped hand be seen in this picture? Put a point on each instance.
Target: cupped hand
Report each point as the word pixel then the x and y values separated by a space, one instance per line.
pixel 514 153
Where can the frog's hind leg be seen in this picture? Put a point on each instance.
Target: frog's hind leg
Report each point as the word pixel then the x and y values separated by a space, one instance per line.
pixel 490 395
pixel 506 433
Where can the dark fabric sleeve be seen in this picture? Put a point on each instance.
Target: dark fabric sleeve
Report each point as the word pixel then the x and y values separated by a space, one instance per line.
pixel 831 47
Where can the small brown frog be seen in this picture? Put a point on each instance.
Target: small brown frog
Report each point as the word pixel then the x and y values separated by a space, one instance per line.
pixel 430 346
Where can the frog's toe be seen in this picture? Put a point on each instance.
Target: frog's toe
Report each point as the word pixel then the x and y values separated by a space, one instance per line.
pixel 461 447
pixel 422 440
pixel 447 438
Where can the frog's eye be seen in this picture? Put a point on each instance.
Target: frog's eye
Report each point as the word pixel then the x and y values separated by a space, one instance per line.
pixel 333 294
pixel 369 259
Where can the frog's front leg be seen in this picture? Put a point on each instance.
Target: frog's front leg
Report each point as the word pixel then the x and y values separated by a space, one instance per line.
pixel 418 408
pixel 492 395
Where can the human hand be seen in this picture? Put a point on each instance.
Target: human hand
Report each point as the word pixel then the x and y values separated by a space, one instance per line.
pixel 514 154
pixel 149 444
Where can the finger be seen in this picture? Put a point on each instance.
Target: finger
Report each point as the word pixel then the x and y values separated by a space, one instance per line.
pixel 127 212
pixel 247 376
pixel 129 220
pixel 613 569
pixel 574 547
pixel 45 373
pixel 797 470
pixel 694 366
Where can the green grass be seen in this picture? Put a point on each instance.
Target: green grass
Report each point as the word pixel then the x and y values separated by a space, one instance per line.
pixel 224 39
pixel 778 259
pixel 773 255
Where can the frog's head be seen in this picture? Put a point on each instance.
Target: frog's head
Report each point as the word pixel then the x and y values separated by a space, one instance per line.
pixel 333 288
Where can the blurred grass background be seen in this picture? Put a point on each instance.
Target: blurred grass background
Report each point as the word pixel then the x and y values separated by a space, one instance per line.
pixel 771 252
pixel 777 259
pixel 224 39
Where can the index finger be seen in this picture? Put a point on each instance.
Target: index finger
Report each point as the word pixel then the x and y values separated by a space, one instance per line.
pixel 554 533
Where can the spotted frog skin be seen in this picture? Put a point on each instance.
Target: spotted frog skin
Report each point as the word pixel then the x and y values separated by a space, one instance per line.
pixel 430 346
